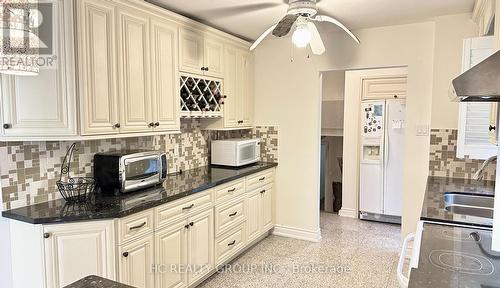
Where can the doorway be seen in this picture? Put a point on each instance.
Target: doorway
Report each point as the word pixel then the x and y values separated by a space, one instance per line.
pixel 332 123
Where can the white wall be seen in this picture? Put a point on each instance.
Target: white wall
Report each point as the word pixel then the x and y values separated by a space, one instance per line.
pixel 287 94
pixel 449 35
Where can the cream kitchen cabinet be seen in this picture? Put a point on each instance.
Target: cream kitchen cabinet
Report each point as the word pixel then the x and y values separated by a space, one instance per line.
pixel 238 90
pixel 73 251
pixel 200 53
pixel 259 210
pixel 134 85
pixel 185 251
pixel 384 88
pixel 136 263
pixel 164 74
pixel 96 39
pixel 44 105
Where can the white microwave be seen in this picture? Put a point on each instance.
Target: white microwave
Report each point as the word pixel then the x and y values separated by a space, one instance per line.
pixel 235 152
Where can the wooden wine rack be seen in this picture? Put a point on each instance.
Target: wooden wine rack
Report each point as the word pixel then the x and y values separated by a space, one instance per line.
pixel 200 97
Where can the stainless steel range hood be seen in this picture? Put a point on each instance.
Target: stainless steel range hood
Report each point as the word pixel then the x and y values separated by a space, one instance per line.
pixel 481 83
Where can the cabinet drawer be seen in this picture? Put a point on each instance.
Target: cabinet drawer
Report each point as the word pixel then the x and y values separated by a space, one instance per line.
pixel 229 215
pixel 230 190
pixel 175 211
pixel 259 180
pixel 230 244
pixel 135 226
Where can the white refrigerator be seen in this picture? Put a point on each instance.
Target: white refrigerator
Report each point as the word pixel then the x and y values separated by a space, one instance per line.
pixel 381 160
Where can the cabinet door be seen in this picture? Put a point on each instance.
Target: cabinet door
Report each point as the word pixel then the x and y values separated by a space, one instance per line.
pixel 201 245
pixel 134 72
pixel 231 90
pixel 97 66
pixel 165 86
pixel 136 263
pixel 384 88
pixel 246 88
pixel 267 208
pixel 171 256
pixel 254 215
pixel 214 59
pixel 74 251
pixel 191 51
pixel 44 105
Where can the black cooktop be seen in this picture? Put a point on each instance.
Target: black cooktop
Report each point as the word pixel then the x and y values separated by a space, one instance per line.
pixel 452 256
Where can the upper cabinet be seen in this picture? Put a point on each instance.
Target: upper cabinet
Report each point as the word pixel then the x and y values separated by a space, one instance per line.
pixel 200 53
pixel 96 26
pixel 238 90
pixel 118 73
pixel 44 105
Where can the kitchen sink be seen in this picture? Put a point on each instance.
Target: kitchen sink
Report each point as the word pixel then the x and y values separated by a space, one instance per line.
pixel 473 205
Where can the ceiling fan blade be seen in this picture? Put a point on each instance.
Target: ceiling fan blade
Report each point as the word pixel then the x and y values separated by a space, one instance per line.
pixel 240 9
pixel 261 37
pixel 285 25
pixel 324 18
pixel 316 43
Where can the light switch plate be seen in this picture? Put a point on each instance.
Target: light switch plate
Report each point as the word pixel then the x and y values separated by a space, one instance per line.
pixel 423 130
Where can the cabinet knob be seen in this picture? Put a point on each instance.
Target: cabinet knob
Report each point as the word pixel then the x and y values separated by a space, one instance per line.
pixel 46 235
pixel 263 191
pixel 206 68
pixel 395 96
pixel 191 224
pixel 203 69
pixel 6 126
pixel 152 124
pixel 491 128
pixel 125 254
pixel 117 125
pixel 157 124
pixel 186 226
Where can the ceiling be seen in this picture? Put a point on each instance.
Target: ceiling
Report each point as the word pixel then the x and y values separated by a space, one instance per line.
pixel 228 15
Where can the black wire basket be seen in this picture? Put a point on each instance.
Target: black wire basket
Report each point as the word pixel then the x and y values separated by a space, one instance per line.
pixel 74 189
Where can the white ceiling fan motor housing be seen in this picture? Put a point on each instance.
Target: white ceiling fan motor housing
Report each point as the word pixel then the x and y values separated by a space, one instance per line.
pixel 304 8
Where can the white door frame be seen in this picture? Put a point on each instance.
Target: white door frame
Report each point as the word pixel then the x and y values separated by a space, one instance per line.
pixel 352 102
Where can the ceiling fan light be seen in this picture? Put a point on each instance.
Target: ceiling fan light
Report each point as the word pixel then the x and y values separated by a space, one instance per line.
pixel 301 36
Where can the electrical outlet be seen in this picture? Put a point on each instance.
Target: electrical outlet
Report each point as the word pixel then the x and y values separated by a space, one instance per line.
pixel 423 130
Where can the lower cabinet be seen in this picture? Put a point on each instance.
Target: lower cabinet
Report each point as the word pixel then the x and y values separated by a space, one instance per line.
pixel 185 251
pixel 136 263
pixel 260 212
pixel 73 251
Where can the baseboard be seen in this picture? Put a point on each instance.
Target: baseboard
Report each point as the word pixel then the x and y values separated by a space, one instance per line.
pixel 297 233
pixel 348 212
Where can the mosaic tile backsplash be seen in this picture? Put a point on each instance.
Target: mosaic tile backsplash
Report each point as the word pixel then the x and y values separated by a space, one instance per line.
pixel 29 170
pixel 443 159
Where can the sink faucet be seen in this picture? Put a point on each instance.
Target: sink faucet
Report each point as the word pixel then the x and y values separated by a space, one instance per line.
pixel 480 173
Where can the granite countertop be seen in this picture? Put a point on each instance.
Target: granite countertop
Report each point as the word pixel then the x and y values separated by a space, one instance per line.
pixel 433 208
pixel 107 207
pixel 96 282
pixel 451 257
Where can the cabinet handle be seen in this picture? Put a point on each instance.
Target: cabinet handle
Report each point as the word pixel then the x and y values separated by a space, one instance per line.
pixel 186 226
pixel 191 224
pixel 152 124
pixel 46 235
pixel 125 254
pixel 232 243
pixel 262 179
pixel 188 207
pixel 138 226
pixel 6 126
pixel 263 191
pixel 491 128
pixel 231 190
pixel 206 68
pixel 233 214
pixel 203 69
pixel 117 125
pixel 157 124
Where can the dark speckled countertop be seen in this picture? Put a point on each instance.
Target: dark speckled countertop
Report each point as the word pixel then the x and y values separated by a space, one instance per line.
pixel 433 208
pixel 96 282
pixel 99 207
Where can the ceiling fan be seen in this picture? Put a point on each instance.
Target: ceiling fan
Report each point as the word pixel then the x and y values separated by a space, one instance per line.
pixel 303 13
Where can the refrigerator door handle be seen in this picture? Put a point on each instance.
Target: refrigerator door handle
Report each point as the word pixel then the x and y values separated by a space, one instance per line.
pixel 386 152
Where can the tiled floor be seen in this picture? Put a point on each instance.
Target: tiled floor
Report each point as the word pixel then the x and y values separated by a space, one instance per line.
pixel 368 249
